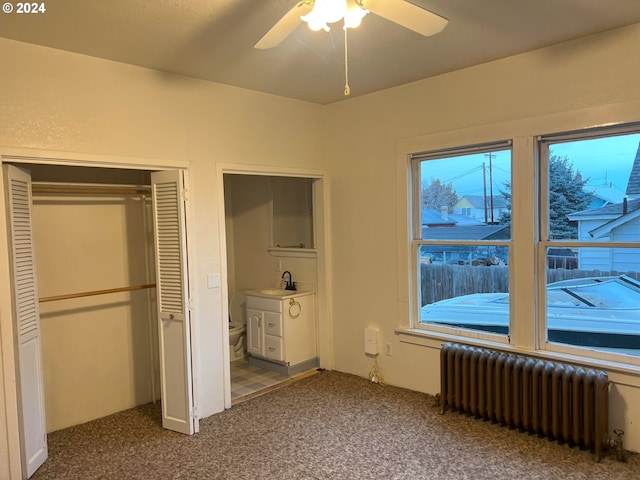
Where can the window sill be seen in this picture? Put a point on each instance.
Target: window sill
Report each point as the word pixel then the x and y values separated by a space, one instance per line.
pixel 619 373
pixel 433 339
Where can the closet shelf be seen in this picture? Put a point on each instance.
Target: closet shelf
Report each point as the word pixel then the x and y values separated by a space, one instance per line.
pixel 293 252
pixel 96 292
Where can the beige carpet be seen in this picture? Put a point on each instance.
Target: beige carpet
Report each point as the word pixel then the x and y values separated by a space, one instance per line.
pixel 327 426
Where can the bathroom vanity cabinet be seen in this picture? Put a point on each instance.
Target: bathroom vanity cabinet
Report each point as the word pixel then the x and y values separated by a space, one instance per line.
pixel 281 331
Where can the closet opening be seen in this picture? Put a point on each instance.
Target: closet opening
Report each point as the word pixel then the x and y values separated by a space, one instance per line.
pixel 95 268
pixel 99 256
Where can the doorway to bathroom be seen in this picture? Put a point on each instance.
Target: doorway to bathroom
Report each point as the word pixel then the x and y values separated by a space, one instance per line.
pixel 273 223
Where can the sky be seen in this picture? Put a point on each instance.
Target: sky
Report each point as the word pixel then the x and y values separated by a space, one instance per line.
pixel 599 160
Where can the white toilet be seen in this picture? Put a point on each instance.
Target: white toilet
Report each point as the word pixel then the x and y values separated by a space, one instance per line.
pixel 237 326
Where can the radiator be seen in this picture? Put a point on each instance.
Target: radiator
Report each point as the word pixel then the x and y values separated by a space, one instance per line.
pixel 563 402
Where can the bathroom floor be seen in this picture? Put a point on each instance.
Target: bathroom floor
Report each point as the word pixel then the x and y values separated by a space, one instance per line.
pixel 248 379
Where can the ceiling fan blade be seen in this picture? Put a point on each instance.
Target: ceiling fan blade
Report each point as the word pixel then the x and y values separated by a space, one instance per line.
pixel 408 15
pixel 284 27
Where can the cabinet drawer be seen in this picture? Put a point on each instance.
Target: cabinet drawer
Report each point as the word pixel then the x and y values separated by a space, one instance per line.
pixel 273 324
pixel 273 348
pixel 261 303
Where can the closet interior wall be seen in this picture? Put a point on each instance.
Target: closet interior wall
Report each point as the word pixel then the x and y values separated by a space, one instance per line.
pixel 100 352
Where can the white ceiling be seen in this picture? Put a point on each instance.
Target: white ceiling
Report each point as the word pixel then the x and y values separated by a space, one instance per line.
pixel 213 39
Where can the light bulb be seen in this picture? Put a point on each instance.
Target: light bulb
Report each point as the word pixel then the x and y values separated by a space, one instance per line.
pixel 353 17
pixel 333 10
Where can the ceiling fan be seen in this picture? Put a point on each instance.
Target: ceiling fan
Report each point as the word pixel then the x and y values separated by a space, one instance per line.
pixel 319 13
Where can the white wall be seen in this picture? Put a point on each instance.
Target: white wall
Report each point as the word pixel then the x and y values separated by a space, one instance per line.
pixel 249 222
pixel 587 82
pixel 83 107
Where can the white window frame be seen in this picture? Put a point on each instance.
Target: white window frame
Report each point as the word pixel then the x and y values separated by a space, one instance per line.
pixel 415 234
pixel 542 145
pixel 524 130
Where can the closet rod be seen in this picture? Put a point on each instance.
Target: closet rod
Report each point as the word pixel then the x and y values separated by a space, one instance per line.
pixel 96 292
pixel 84 189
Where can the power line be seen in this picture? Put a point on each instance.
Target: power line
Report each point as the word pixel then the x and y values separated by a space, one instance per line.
pixel 464 174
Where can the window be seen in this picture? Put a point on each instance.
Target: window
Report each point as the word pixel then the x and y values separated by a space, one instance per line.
pixel 590 237
pixel 461 236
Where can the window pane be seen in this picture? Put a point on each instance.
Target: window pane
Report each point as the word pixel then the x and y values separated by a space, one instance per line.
pixel 465 286
pixel 593 293
pixel 590 307
pixel 588 182
pixel 469 192
pixel 464 198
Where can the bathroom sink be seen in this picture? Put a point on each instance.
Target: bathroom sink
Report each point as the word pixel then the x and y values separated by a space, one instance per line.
pixel 278 292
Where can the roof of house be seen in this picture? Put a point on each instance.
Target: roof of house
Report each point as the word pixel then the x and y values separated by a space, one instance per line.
pixel 429 216
pixel 606 193
pixel 471 232
pixel 478 201
pixel 633 186
pixel 613 209
pixel 620 212
pixel 606 228
pixel 435 218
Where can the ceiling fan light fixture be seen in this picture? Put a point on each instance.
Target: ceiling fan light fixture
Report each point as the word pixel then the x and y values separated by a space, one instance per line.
pixel 332 11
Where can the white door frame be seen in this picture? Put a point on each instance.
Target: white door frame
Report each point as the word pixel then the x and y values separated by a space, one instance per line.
pixel 321 226
pixel 7 359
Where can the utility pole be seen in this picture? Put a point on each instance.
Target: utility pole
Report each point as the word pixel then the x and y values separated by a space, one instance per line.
pixel 490 155
pixel 484 188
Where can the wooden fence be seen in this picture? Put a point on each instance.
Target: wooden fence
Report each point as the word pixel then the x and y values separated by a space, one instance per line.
pixel 440 281
pixel 560 274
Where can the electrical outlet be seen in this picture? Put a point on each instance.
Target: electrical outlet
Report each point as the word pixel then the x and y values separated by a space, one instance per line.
pixel 387 348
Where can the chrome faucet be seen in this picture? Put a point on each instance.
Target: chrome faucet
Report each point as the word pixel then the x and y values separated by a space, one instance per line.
pixel 289 285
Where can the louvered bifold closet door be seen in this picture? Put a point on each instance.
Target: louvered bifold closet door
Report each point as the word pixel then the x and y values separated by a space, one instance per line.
pixel 173 303
pixel 33 428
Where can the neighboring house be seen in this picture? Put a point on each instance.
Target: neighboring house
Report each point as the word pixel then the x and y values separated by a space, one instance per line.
pixel 613 222
pixel 479 207
pixel 608 224
pixel 466 254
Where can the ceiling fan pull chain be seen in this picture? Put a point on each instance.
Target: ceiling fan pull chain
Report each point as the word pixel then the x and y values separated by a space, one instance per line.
pixel 347 89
